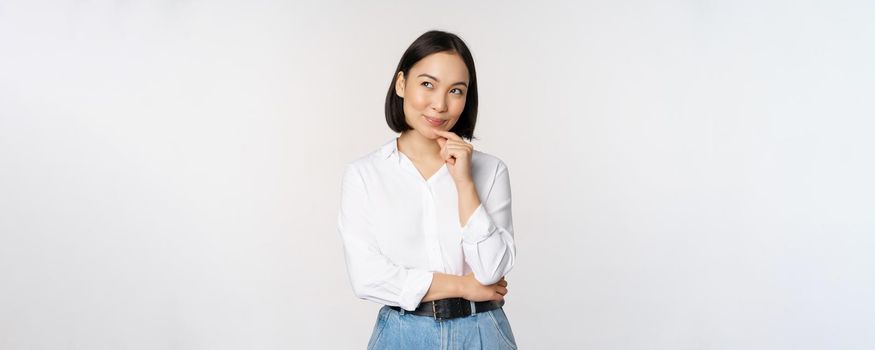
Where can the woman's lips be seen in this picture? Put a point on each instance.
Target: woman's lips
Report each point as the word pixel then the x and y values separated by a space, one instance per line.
pixel 435 121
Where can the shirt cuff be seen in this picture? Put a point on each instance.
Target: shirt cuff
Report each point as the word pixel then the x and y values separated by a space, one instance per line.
pixel 415 287
pixel 479 226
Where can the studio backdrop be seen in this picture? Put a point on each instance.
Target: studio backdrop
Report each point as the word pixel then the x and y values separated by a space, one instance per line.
pixel 685 174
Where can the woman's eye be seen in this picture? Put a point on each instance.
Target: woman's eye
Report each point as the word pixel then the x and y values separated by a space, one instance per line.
pixel 457 91
pixel 426 84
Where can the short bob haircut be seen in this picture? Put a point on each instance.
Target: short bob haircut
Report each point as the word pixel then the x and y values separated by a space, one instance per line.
pixel 430 42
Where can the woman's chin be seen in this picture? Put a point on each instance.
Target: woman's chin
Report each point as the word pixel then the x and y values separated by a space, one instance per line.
pixel 428 133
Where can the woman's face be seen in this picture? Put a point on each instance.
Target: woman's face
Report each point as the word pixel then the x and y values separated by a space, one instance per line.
pixel 434 92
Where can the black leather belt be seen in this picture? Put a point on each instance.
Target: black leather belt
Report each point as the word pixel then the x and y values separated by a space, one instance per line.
pixel 445 309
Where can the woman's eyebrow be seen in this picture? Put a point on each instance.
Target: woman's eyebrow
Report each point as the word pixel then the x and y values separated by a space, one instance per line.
pixel 438 80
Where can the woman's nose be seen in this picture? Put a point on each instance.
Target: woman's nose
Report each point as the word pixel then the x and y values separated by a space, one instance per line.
pixel 439 104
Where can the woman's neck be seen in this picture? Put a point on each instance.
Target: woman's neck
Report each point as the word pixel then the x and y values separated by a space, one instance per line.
pixel 418 147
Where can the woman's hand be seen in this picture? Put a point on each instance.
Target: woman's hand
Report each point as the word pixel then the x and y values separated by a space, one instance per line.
pixel 474 291
pixel 457 154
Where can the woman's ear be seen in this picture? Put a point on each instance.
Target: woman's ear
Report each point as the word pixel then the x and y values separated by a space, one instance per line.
pixel 399 84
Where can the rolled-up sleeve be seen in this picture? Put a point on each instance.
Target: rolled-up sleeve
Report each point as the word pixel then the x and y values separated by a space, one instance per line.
pixel 487 237
pixel 373 276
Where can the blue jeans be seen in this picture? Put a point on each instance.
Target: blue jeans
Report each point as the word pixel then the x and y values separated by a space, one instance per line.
pixel 484 330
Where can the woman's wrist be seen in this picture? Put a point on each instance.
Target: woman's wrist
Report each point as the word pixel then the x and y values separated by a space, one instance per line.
pixel 465 186
pixel 444 286
pixel 469 200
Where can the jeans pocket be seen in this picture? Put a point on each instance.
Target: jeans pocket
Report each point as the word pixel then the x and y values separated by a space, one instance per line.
pixel 382 319
pixel 499 319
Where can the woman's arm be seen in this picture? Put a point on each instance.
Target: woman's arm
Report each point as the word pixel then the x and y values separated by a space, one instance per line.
pixel 469 200
pixel 373 276
pixel 487 235
pixel 451 286
pixel 487 228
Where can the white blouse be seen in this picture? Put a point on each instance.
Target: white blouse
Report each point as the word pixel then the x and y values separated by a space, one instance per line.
pixel 398 228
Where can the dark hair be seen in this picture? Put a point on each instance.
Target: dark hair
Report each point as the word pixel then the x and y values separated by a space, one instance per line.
pixel 430 42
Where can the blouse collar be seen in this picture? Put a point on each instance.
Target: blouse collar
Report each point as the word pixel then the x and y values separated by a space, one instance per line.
pixel 390 149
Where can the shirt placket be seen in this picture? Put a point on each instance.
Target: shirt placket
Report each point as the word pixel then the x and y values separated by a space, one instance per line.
pixel 429 228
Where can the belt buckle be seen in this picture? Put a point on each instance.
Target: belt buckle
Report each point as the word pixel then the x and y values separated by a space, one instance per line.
pixel 446 310
pixel 434 310
pixel 452 308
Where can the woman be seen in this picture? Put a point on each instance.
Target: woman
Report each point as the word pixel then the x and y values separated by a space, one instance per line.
pixel 425 219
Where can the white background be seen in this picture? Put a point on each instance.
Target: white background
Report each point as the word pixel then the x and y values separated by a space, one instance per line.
pixel 686 174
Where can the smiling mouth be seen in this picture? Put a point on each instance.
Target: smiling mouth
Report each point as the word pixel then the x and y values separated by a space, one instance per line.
pixel 435 121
